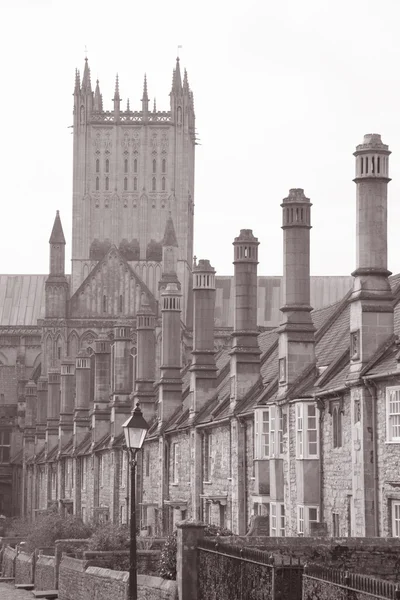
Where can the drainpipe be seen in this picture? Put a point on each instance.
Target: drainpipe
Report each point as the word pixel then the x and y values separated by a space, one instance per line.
pixel 372 388
pixel 321 408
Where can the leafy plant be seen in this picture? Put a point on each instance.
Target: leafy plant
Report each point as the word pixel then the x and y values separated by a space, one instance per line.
pixel 110 536
pixel 51 526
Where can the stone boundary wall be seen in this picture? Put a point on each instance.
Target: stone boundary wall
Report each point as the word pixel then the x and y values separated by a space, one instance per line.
pixel 80 581
pixel 71 579
pixel 147 560
pixel 105 584
pixel 357 555
pixel 45 573
pixel 24 568
pixel 66 546
pixel 8 561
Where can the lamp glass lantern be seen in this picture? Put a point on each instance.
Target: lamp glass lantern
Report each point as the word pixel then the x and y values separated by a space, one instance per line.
pixel 135 429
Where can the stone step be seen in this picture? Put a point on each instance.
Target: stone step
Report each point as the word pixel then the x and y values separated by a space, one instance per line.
pixel 45 593
pixel 24 586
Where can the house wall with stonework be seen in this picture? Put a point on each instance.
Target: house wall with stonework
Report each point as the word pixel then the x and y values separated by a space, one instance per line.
pixel 337 469
pixel 388 461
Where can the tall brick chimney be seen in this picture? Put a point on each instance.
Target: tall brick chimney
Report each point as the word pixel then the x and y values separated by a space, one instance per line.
pixel 203 368
pixel 66 426
pixel 145 360
pixel 41 419
pixel 122 380
pixel 296 332
pixel 82 398
pixel 170 384
pixel 53 409
pixel 371 314
pixel 245 353
pixel 100 410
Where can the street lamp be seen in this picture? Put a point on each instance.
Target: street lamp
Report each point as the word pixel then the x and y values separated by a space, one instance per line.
pixel 135 429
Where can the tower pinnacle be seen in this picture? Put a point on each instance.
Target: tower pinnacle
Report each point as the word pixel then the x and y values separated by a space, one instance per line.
pixel 77 82
pixel 86 83
pixel 57 234
pixel 98 102
pixel 145 97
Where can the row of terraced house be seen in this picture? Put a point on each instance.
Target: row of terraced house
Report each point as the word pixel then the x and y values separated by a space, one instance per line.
pixel 299 423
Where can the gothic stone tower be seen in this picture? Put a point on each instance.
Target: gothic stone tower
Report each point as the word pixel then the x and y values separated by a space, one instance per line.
pixel 131 169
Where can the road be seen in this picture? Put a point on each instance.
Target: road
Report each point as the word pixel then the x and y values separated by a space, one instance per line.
pixel 8 592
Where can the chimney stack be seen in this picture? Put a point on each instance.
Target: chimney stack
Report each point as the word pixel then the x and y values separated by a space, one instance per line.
pixel 296 332
pixel 203 368
pixel 245 353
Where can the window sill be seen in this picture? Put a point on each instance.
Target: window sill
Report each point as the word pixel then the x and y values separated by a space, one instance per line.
pixel 175 483
pixel 307 457
pixel 397 441
pixel 207 482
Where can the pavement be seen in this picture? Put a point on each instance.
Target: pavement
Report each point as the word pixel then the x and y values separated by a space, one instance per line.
pixel 8 592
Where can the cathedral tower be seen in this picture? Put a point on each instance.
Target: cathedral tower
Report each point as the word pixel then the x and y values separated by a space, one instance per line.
pixel 131 168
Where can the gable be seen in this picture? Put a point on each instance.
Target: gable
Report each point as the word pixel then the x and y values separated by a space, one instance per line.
pixel 111 289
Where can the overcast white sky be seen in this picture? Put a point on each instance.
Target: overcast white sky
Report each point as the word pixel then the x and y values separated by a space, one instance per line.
pixel 284 91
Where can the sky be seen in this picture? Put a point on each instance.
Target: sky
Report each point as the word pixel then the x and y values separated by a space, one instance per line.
pixel 284 91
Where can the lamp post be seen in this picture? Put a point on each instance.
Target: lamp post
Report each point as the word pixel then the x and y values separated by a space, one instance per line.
pixel 135 429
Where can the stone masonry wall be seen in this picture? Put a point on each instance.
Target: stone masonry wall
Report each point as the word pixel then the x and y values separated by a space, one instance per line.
pixel 337 471
pixel 78 581
pixel 8 564
pixel 219 479
pixel 388 465
pixel 45 573
pixel 104 584
pixel 71 582
pixel 24 568
pixel 380 556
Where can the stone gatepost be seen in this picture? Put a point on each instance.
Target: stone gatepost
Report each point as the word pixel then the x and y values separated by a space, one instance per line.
pixel 189 534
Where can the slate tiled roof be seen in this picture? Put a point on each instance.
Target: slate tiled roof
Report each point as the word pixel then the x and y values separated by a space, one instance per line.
pixel 102 444
pixel 21 299
pixel 52 455
pixel 84 446
pixel 68 449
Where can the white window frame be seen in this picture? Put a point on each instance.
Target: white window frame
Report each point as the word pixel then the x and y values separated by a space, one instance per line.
pixel 395 506
pixel 262 433
pixel 304 432
pixel 273 519
pixel 393 417
pixel 277 519
pixel 303 518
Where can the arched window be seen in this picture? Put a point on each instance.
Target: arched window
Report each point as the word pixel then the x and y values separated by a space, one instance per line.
pixel 154 165
pixel 107 183
pixel 125 165
pixel 107 165
pixel 153 184
pixel 135 165
pixel 104 303
pixel 82 114
pixel 135 184
pixel 97 165
pixel 164 165
pixel 125 183
pixel 163 184
pixel 121 304
pixel 97 184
